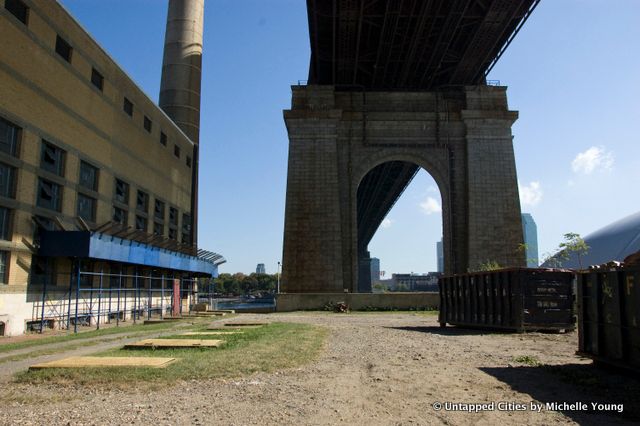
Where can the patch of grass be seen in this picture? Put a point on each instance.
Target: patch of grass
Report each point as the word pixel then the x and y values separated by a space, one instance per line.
pixel 529 360
pixel 85 335
pixel 136 329
pixel 268 348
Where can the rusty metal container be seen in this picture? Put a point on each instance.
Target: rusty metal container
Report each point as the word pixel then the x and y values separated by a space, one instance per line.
pixel 516 299
pixel 609 315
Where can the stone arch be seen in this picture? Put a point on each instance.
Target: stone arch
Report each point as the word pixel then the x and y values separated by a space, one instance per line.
pixel 421 160
pixel 462 138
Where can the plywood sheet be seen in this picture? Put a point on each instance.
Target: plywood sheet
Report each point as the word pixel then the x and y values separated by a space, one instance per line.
pixel 176 343
pixel 107 361
pixel 210 333
pixel 246 324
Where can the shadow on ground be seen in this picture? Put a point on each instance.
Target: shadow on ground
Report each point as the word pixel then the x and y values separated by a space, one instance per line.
pixel 571 383
pixel 449 331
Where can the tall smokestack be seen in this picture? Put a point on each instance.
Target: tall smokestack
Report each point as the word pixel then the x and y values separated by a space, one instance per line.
pixel 181 80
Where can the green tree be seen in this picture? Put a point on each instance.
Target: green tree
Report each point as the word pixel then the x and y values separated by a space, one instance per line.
pixel 380 287
pixel 573 244
pixel 489 265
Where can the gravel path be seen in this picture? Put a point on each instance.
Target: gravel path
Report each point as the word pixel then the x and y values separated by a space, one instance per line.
pixel 386 369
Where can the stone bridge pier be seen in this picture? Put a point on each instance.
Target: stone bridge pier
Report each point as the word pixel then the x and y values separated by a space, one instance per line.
pixel 461 136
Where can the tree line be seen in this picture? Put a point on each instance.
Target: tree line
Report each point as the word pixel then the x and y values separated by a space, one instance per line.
pixel 241 284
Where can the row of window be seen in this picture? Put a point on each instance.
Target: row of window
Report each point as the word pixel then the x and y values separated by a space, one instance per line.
pixel 65 51
pixel 49 193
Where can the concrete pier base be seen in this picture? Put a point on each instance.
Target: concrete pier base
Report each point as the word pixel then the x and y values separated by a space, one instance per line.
pixel 286 302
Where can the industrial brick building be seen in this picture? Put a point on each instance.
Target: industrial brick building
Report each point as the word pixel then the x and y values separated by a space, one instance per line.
pixel 97 183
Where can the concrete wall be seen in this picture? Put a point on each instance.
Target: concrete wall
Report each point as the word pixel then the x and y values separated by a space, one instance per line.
pixel 461 137
pixel 13 311
pixel 286 302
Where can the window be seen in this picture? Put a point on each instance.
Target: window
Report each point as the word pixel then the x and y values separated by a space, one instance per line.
pixel 46 223
pixel 52 158
pixel 88 176
pixel 173 216
pixel 4 261
pixel 159 210
pixel 97 79
pixel 87 207
pixel 42 224
pixel 17 9
pixel 142 201
pixel 9 137
pixel 147 124
pixel 7 181
pixel 188 161
pixel 49 195
pixel 186 229
pixel 176 151
pixel 141 223
pixel 122 191
pixel 5 224
pixel 128 107
pixel 173 223
pixel 63 48
pixel 163 139
pixel 158 228
pixel 120 215
pixel 43 270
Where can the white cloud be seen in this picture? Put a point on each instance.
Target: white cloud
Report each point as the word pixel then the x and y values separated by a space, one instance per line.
pixel 590 160
pixel 530 195
pixel 386 223
pixel 430 206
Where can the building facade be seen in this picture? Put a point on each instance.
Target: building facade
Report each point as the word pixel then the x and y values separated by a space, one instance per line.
pixel 440 256
pixel 416 282
pixel 260 269
pixel 83 149
pixel 375 270
pixel 530 232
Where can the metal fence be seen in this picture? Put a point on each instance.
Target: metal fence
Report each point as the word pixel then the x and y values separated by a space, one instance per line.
pixel 108 294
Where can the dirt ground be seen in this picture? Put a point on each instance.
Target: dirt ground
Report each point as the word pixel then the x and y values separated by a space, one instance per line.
pixel 376 369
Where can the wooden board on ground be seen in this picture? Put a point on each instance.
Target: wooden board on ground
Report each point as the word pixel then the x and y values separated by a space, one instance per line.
pixel 246 324
pixel 175 343
pixel 228 327
pixel 210 333
pixel 161 321
pixel 107 361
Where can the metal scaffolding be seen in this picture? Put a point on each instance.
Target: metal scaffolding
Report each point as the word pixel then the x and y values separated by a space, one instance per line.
pixel 87 293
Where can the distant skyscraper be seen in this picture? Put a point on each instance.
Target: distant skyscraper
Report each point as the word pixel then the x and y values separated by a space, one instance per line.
pixel 440 255
pixel 260 269
pixel 530 232
pixel 375 269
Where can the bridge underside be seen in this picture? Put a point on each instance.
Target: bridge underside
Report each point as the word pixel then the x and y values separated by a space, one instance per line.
pixel 410 44
pixel 399 79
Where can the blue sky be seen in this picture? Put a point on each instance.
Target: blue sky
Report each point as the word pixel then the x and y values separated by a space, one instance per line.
pixel 572 72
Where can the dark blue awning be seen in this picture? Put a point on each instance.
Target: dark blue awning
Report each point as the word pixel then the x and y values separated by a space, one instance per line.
pixel 93 245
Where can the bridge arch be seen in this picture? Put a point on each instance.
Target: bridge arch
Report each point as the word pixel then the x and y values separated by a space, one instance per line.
pixel 368 218
pixel 337 138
